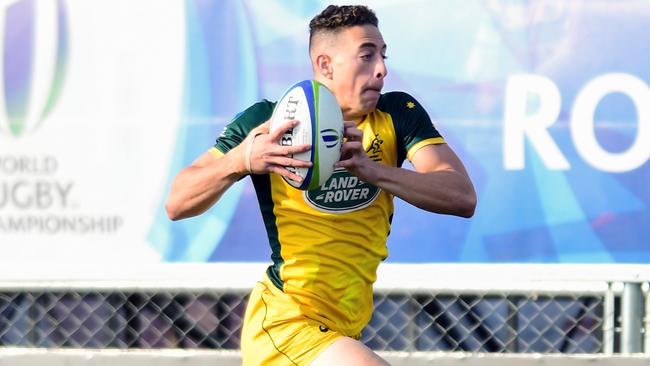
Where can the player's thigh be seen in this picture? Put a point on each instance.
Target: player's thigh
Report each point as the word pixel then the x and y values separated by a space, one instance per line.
pixel 347 351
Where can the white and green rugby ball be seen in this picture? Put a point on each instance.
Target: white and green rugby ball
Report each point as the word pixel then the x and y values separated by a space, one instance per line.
pixel 321 125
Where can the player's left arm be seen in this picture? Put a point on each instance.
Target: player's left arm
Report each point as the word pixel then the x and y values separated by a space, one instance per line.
pixel 439 183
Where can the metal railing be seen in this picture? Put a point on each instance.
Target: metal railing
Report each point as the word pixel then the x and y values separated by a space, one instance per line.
pixel 418 308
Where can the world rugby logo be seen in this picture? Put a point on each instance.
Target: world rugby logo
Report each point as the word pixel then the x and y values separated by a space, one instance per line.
pixel 330 137
pixel 34 44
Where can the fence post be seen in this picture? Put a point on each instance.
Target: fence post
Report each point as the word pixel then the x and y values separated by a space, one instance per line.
pixel 608 321
pixel 632 315
pixel 647 320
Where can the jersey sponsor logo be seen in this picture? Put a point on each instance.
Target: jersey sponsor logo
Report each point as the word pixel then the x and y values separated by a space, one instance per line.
pixel 342 193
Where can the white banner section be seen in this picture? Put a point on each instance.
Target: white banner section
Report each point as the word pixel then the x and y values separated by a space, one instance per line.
pixel 91 99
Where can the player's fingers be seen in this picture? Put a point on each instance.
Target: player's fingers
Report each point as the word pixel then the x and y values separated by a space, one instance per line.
pixel 290 150
pixel 286 161
pixel 351 147
pixel 282 128
pixel 353 134
pixel 284 172
pixel 343 164
pixel 350 127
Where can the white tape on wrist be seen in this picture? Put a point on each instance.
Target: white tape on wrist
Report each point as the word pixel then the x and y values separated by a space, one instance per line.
pixel 249 152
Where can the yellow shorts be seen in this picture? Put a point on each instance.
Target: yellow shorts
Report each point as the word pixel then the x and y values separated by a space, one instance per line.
pixel 276 332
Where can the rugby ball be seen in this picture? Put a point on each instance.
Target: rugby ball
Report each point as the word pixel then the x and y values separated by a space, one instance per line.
pixel 321 125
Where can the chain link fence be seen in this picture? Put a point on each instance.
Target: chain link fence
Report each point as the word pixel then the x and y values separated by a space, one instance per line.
pixel 423 320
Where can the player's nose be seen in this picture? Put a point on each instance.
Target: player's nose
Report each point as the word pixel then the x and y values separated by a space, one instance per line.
pixel 381 70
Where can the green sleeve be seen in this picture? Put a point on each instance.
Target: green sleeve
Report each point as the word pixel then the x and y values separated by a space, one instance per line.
pixel 236 131
pixel 413 127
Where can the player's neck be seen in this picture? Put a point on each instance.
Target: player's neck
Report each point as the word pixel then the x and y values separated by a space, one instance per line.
pixel 354 118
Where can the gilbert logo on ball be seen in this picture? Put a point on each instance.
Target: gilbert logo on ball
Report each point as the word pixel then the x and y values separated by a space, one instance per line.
pixel 34 49
pixel 321 125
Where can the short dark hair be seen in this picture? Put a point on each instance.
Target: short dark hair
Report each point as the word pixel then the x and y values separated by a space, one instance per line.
pixel 334 18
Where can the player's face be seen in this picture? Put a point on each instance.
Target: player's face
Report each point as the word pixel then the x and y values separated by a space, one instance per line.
pixel 358 70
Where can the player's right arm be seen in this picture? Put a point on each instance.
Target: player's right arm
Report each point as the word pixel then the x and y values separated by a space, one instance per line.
pixel 200 185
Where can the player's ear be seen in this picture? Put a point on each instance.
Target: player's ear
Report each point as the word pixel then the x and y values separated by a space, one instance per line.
pixel 324 66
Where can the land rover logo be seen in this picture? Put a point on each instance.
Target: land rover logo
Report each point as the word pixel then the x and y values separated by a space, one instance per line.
pixel 343 192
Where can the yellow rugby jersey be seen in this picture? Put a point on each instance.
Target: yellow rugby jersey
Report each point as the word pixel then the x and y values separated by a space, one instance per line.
pixel 327 243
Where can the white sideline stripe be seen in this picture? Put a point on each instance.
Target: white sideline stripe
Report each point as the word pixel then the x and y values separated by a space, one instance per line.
pixel 172 357
pixel 586 278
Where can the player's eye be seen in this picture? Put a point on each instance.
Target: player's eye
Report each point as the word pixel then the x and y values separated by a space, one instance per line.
pixel 365 57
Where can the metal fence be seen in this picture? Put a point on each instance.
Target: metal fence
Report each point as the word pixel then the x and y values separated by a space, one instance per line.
pixel 553 317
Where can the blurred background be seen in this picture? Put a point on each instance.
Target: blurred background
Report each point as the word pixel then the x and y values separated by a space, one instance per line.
pixel 547 103
pixel 104 102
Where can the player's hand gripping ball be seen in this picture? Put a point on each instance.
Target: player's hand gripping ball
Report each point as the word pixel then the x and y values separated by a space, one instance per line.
pixel 321 125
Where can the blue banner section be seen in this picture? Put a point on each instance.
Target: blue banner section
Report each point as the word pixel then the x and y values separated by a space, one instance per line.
pixel 546 102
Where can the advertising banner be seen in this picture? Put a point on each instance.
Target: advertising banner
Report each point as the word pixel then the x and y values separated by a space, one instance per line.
pixel 547 103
